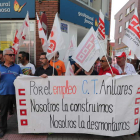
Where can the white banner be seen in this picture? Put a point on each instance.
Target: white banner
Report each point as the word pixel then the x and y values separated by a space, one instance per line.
pixel 99 105
pixel 88 51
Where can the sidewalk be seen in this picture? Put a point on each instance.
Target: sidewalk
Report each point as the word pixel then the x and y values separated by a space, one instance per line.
pixel 12 134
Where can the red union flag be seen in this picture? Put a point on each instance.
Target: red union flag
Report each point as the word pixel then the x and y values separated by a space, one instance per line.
pixel 15 46
pixel 134 25
pixel 88 51
pixel 55 41
pixel 132 35
pixel 21 34
pixel 101 28
pixel 101 35
pixel 42 35
pixel 24 31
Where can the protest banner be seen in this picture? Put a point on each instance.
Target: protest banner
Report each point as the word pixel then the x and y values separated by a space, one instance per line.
pixel 99 105
pixel 88 51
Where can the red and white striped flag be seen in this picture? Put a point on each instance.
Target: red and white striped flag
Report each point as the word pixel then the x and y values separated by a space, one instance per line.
pixel 132 35
pixel 101 27
pixel 101 35
pixel 42 35
pixel 21 34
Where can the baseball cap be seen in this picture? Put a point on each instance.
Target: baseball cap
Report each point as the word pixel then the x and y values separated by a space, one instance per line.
pixel 121 54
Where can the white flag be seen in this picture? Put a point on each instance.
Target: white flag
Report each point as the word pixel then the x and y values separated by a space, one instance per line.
pixel 56 41
pixel 42 35
pixel 15 46
pixel 101 27
pixel 25 30
pixel 69 70
pixel 21 34
pixel 88 51
pixel 131 55
pixel 71 49
pixel 101 35
pixel 132 35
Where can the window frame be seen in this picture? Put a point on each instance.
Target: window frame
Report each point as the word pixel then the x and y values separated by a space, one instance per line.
pixel 128 24
pixel 131 7
pixel 120 29
pixel 120 17
pixel 21 21
pixel 119 41
pixel 127 12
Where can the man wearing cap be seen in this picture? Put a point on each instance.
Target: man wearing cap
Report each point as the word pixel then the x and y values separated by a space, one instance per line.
pixel 122 66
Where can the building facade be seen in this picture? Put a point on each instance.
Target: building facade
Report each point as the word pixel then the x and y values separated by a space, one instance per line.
pixel 77 16
pixel 122 20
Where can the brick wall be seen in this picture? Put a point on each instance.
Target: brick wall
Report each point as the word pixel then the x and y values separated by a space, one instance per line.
pixel 51 8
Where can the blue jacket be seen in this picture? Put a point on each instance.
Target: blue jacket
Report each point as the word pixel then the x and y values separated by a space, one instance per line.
pixel 8 75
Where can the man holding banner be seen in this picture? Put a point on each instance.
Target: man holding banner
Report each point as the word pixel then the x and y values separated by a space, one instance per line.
pixel 46 70
pixel 9 72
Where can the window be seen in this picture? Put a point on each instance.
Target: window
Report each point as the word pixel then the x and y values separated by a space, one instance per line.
pixel 126 24
pixel 127 11
pixel 120 40
pixel 120 30
pixel 96 5
pixel 7 34
pixel 132 7
pixel 84 1
pixel 120 17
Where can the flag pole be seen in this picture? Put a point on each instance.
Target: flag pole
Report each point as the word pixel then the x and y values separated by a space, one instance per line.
pixel 29 41
pixel 53 64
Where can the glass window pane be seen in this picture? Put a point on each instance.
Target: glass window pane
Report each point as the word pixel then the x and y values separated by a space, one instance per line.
pixel 7 34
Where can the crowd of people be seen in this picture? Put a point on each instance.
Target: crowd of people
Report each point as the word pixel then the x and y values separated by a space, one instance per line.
pixel 9 71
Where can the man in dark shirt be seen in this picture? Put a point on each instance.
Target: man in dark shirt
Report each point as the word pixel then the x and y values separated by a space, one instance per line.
pixel 46 69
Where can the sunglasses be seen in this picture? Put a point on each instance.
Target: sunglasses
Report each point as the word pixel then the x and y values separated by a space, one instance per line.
pixel 42 58
pixel 10 55
pixel 19 57
pixel 103 61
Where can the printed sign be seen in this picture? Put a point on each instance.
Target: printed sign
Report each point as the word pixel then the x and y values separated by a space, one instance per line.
pixel 99 105
pixel 88 51
pixel 17 8
pixel 5 44
pixel 81 15
pixel 64 27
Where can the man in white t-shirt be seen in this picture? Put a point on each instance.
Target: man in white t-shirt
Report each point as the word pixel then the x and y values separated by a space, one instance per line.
pixel 26 67
pixel 122 66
